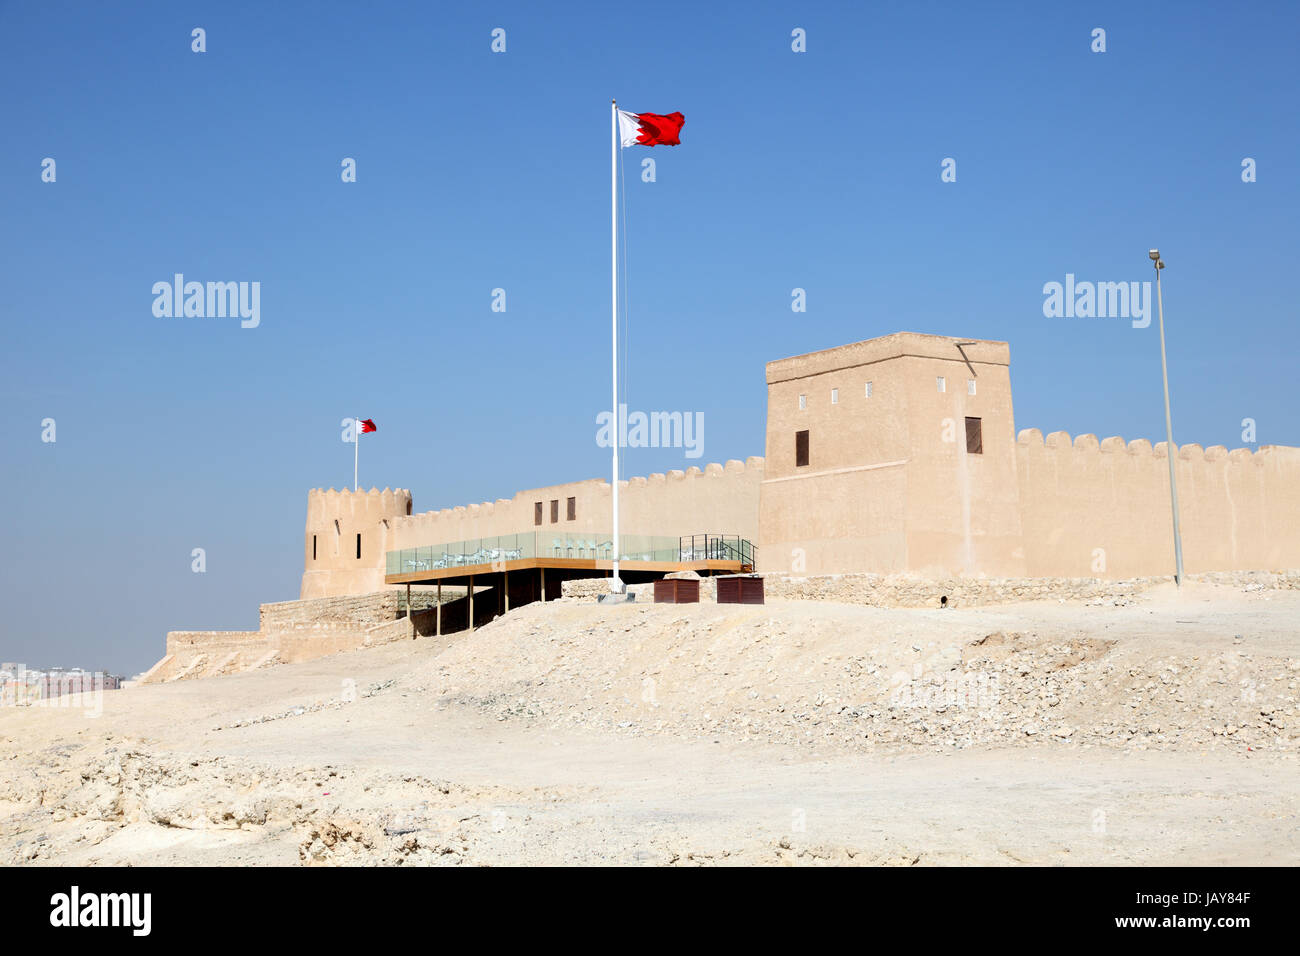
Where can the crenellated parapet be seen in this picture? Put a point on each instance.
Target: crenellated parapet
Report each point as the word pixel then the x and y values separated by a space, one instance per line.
pixel 1103 507
pixel 324 505
pixel 717 497
pixel 346 537
pixel 1032 439
pixel 503 507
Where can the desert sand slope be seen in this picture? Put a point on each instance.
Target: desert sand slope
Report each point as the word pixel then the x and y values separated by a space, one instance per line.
pixel 1163 731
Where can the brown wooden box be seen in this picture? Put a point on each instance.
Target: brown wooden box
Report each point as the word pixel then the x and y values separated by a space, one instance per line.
pixel 740 589
pixel 677 591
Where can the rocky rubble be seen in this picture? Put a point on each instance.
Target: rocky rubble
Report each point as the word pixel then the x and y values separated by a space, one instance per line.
pixel 795 674
pixel 334 703
pixel 411 819
pixel 905 590
pixel 911 591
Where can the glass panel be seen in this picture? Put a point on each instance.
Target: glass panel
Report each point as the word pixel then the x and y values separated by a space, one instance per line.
pixel 589 546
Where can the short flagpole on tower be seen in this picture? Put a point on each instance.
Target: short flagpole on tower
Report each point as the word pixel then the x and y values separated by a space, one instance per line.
pixel 615 584
pixel 356 452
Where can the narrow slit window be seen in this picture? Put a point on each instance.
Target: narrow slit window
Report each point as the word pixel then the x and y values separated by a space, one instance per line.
pixel 974 436
pixel 801 448
pixel 537 513
pixel 555 510
pixel 358 545
pixel 941 384
pixel 803 402
pixel 835 396
pixel 868 390
pixel 970 386
pixel 313 547
pixel 572 509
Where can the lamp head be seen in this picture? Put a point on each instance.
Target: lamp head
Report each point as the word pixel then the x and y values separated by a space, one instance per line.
pixel 1155 255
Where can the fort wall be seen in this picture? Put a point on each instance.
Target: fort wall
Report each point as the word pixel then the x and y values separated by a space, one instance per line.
pixel 293 631
pixel 1093 508
pixel 887 482
pixel 716 499
pixel 911 464
pixel 888 462
pixel 346 536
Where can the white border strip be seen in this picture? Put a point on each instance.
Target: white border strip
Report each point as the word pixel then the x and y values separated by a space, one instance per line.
pixel 839 471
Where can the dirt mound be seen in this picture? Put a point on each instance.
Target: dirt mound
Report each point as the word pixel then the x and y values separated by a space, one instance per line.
pixel 861 678
pixel 795 733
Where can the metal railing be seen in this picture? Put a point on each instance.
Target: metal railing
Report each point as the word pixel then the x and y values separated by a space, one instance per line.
pixel 716 547
pixel 474 552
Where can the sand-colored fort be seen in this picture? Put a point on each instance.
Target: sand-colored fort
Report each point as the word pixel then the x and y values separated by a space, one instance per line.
pixel 897 455
pixel 912 463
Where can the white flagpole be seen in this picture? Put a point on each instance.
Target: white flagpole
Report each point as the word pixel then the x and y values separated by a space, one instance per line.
pixel 356 451
pixel 615 584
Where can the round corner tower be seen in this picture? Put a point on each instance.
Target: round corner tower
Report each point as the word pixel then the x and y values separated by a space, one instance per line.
pixel 346 539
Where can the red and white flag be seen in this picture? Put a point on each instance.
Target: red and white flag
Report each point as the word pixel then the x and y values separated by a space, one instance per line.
pixel 650 129
pixel 363 425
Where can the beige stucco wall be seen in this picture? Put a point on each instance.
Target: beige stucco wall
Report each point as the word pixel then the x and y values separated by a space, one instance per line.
pixel 1101 509
pixel 963 510
pixel 295 631
pixel 334 519
pixel 844 509
pixel 889 485
pixel 716 499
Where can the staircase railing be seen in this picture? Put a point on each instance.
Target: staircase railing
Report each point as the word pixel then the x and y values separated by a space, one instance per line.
pixel 717 547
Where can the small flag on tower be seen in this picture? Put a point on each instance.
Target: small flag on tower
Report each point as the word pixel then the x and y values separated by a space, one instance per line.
pixel 649 129
pixel 363 425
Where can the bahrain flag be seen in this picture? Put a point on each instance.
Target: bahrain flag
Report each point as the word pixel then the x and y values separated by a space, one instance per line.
pixel 649 129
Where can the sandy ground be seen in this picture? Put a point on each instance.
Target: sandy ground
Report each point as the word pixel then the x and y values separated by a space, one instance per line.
pixel 1165 731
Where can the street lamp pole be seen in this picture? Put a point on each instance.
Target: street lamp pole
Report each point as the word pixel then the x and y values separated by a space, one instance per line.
pixel 1159 264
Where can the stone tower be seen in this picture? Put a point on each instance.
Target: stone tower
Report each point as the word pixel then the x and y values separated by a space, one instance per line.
pixel 346 539
pixel 890 455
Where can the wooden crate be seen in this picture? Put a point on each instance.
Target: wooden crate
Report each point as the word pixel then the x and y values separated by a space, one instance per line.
pixel 677 591
pixel 740 589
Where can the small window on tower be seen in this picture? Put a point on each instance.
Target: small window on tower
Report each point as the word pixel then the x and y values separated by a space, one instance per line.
pixel 941 384
pixel 537 513
pixel 358 545
pixel 868 390
pixel 572 509
pixel 974 437
pixel 835 396
pixel 801 448
pixel 803 402
pixel 555 510
pixel 313 547
pixel 970 386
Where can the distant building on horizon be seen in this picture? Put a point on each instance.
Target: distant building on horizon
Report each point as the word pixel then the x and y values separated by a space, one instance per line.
pixel 20 684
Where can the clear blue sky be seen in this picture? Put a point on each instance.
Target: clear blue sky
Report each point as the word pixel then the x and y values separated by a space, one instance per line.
pixel 477 170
